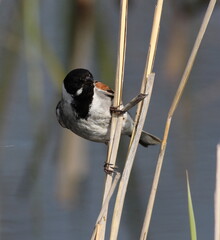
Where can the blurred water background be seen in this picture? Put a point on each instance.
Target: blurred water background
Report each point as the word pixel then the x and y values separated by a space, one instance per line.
pixel 51 182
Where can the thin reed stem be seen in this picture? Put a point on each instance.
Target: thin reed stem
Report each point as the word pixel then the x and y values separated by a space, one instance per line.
pixel 105 204
pixel 142 109
pixel 151 55
pixel 116 122
pixel 217 196
pixel 170 115
pixel 129 162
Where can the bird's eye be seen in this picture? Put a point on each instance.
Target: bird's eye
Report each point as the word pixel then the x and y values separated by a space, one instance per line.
pixel 89 79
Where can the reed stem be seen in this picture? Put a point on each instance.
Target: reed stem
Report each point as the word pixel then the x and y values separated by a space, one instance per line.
pixel 129 162
pixel 140 115
pixel 116 121
pixel 217 196
pixel 173 107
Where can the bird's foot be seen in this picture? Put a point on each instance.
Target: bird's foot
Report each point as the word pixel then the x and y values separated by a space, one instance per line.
pixel 116 110
pixel 109 168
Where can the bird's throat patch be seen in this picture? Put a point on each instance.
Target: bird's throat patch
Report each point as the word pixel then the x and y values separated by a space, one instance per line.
pixel 81 103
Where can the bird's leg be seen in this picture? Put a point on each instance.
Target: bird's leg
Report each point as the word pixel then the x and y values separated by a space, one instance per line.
pixel 129 105
pixel 133 102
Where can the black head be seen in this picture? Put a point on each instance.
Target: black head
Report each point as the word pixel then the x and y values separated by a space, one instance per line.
pixel 77 79
pixel 78 91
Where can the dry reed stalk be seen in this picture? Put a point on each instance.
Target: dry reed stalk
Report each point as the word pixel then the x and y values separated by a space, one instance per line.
pixel 129 162
pixel 151 53
pixel 217 196
pixel 170 115
pixel 116 122
pixel 105 205
pixel 137 128
pixel 153 42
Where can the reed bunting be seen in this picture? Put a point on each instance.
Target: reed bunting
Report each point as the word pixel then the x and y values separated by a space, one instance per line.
pixel 85 109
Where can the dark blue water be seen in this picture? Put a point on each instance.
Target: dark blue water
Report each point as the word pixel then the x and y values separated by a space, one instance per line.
pixel 32 195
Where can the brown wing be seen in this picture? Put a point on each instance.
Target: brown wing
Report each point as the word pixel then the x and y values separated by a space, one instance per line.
pixel 105 88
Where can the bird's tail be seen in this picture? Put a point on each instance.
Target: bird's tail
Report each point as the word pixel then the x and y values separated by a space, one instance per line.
pixel 148 139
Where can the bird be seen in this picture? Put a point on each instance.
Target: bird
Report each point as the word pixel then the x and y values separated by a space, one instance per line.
pixel 86 109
